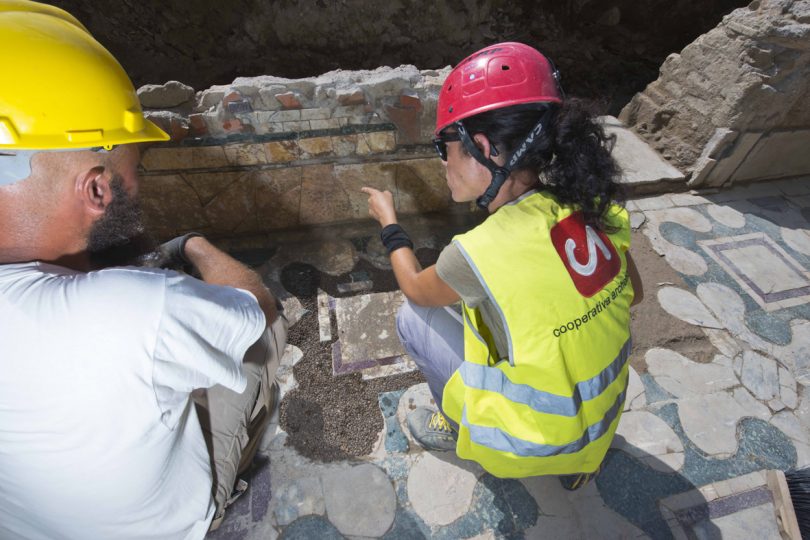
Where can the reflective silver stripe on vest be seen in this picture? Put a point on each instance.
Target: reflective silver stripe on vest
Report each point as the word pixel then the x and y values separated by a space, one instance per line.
pixel 494 380
pixel 502 441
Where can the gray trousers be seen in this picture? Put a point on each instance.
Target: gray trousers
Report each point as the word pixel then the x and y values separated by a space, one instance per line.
pixel 233 424
pixel 434 338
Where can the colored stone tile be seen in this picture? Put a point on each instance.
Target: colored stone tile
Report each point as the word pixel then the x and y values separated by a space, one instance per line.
pixel 375 142
pixel 648 438
pixel 281 151
pixel 764 270
pixel 322 199
pixel 202 157
pixel 245 154
pixel 636 395
pixel 682 377
pixel 322 113
pixel 315 146
pixel 360 501
pixel 171 206
pixel 395 440
pixel 686 306
pixel 350 178
pixel 344 145
pixel 653 391
pixel 441 503
pixel 233 206
pixel 421 186
pixel 309 527
pixel 366 329
pixel 414 397
pixel 298 498
pixel 278 197
pixel 760 375
pixel 757 522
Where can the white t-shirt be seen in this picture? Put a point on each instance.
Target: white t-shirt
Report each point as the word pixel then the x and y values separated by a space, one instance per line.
pixel 98 436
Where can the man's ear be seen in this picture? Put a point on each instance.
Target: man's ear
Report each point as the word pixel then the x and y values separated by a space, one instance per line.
pixel 93 189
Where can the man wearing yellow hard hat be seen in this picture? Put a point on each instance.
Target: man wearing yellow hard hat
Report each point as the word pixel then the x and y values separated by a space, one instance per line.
pixel 99 435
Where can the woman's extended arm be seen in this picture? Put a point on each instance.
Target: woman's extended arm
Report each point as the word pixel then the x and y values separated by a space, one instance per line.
pixel 422 287
pixel 635 279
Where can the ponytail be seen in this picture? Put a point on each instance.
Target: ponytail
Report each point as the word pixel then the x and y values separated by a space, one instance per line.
pixel 572 154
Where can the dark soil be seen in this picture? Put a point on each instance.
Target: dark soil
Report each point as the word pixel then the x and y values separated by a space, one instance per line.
pixel 330 418
pixel 650 325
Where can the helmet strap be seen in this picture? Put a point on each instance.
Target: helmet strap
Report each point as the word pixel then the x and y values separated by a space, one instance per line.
pixel 499 173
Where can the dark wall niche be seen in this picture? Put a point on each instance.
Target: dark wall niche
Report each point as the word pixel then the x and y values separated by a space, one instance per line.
pixel 605 50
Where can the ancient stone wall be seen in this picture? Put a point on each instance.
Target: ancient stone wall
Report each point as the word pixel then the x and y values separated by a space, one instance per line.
pixel 734 106
pixel 268 153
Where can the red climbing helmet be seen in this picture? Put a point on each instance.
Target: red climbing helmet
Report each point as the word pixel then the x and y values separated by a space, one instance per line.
pixel 496 76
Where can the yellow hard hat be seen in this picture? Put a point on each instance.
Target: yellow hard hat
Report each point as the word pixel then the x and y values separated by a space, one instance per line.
pixel 60 88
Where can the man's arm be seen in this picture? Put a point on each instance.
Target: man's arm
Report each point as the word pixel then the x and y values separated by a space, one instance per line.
pixel 218 268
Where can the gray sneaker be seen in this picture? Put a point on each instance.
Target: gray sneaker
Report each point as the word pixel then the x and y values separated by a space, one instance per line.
pixel 431 430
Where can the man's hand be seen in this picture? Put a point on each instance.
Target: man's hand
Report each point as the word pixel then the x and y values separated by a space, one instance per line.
pixel 381 205
pixel 172 254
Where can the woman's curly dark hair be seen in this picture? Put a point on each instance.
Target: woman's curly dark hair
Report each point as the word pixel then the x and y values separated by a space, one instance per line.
pixel 572 154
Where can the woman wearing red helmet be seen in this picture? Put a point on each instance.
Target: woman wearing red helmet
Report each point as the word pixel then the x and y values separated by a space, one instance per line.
pixel 531 378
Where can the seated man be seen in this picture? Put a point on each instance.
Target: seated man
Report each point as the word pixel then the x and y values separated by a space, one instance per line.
pixel 99 436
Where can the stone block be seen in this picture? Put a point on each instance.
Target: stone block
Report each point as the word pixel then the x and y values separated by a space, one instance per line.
pixel 353 95
pixel 407 122
pixel 776 155
pixel 314 147
pixel 159 158
pixel 240 106
pixel 322 199
pixel 197 125
pixel 421 186
pixel 289 100
pixel 350 178
pixel 281 151
pixel 349 110
pixel 366 327
pixel 719 143
pixel 233 207
pixel 172 123
pixel 730 160
pixel 640 164
pixel 344 145
pixel 245 154
pixel 293 127
pixel 210 98
pixel 233 125
pixel 331 123
pixel 375 142
pixel 165 96
pixel 322 113
pixel 285 116
pixel 208 185
pixel 171 206
pixel 278 198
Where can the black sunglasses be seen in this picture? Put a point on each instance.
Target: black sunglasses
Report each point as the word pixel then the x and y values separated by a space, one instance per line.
pixel 440 143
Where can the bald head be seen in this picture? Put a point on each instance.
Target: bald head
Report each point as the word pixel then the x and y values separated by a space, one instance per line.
pixel 56 210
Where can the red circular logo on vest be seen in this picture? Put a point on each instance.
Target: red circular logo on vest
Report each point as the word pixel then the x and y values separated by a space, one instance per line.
pixel 587 253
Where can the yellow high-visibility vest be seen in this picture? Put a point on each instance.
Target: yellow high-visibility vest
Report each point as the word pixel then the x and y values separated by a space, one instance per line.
pixel 564 296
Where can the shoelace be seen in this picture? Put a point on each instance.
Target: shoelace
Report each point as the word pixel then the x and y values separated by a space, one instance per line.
pixel 438 422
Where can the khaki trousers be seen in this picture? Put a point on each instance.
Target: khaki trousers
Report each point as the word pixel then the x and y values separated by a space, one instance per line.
pixel 233 424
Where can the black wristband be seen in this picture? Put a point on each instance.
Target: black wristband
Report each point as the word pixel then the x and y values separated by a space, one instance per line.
pixel 394 237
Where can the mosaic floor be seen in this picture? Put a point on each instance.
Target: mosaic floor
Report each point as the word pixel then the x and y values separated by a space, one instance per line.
pixel 693 442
